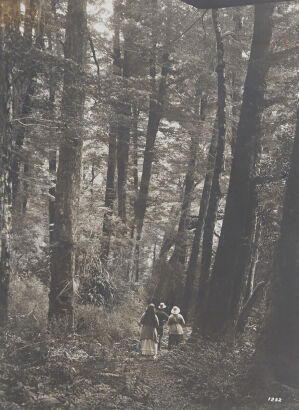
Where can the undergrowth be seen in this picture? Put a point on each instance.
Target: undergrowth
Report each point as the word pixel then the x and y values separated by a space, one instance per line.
pixel 97 366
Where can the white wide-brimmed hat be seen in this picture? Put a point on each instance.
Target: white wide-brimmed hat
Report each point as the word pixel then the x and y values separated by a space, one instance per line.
pixel 175 310
pixel 162 306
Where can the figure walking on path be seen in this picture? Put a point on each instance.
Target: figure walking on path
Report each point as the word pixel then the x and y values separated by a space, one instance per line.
pixel 149 335
pixel 162 317
pixel 175 324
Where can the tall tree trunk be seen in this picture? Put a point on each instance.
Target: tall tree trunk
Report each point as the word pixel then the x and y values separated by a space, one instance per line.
pixel 52 156
pixel 112 149
pixel 109 196
pixel 203 207
pixel 180 249
pixel 235 75
pixel 278 348
pixel 215 193
pixel 226 284
pixel 52 172
pixel 156 106
pixel 123 141
pixel 179 253
pixel 24 91
pixel 69 167
pixel 5 176
pixel 124 119
pixel 40 43
pixel 169 234
pixel 155 115
pixel 19 141
pixel 135 112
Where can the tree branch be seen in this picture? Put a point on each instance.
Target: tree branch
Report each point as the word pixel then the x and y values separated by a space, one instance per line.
pixel 94 53
pixel 256 294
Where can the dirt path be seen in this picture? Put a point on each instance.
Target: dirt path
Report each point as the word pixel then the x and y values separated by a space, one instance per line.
pixel 82 376
pixel 164 390
pixel 157 384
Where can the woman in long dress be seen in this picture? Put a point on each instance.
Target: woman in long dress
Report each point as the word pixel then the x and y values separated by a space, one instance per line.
pixel 149 336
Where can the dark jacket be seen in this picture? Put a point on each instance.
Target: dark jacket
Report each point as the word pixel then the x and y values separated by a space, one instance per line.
pixel 162 316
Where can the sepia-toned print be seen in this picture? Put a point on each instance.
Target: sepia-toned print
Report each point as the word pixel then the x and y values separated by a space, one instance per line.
pixel 149 204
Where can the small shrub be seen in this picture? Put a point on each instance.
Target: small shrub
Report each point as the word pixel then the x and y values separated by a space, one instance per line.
pixel 28 304
pixel 113 326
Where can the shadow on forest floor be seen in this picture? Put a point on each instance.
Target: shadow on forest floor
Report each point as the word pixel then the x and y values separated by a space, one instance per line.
pixel 37 372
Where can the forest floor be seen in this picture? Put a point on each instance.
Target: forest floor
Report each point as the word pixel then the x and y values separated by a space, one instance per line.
pixel 40 372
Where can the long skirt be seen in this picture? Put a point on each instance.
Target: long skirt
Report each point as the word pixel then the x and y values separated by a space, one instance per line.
pixel 149 347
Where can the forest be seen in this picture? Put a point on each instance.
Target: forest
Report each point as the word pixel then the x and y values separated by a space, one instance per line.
pixel 149 154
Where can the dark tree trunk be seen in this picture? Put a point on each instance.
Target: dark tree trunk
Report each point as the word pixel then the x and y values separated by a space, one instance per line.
pixel 179 253
pixel 30 12
pixel 69 167
pixel 112 150
pixel 109 196
pixel 215 193
pixel 19 141
pixel 278 348
pixel 155 115
pixel 169 234
pixel 24 91
pixel 180 249
pixel 135 248
pixel 123 141
pixel 52 156
pixel 235 75
pixel 156 104
pixel 25 195
pixel 135 118
pixel 204 202
pixel 227 279
pixel 124 124
pixel 5 177
pixel 52 172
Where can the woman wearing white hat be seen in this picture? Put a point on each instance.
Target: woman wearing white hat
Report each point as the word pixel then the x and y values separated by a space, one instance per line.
pixel 175 324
